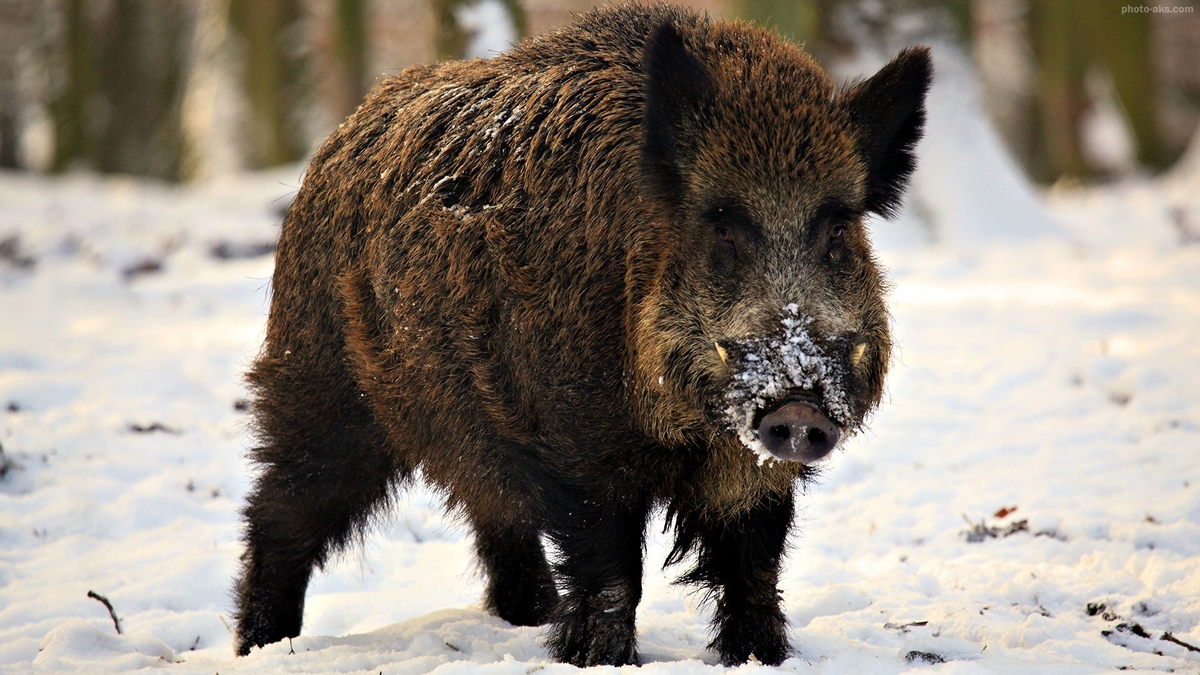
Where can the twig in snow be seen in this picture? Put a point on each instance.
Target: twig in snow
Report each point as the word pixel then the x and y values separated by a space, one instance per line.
pixel 903 627
pixel 111 613
pixel 1019 526
pixel 924 657
pixel 1171 638
pixel 981 531
pixel 141 268
pixel 153 427
pixel 225 250
pixel 1101 608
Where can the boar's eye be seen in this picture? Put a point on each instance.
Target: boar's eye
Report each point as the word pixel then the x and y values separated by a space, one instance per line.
pixel 731 225
pixel 726 235
pixel 830 225
pixel 836 243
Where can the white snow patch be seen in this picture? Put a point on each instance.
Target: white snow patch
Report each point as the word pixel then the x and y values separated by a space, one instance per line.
pixel 1108 142
pixel 489 28
pixel 77 644
pixel 966 182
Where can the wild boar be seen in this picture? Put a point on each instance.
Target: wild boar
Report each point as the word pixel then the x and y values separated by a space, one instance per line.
pixel 622 267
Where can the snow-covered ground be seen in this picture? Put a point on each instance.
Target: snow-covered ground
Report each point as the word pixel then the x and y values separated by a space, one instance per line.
pixel 1046 389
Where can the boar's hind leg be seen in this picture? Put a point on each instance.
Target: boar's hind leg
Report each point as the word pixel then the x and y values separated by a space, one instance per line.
pixel 601 542
pixel 738 558
pixel 324 472
pixel 520 586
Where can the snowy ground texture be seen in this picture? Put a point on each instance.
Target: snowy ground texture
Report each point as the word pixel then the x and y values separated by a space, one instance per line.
pixel 1046 389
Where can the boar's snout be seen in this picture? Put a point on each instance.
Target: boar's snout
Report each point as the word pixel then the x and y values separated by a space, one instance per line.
pixel 798 431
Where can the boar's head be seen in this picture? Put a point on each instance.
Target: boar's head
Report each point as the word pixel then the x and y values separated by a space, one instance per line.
pixel 769 311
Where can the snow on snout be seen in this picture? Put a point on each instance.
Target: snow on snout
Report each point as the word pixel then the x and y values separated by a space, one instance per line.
pixel 770 367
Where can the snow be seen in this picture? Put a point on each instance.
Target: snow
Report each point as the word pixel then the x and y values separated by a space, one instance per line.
pixel 967 187
pixel 489 28
pixel 1047 378
pixel 770 367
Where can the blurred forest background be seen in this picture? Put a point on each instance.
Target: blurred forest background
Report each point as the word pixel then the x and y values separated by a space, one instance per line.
pixel 1080 90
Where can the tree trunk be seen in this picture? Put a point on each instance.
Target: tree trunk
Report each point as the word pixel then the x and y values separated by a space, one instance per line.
pixel 273 78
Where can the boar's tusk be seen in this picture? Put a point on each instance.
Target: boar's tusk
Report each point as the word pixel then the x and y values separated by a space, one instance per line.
pixel 721 353
pixel 857 354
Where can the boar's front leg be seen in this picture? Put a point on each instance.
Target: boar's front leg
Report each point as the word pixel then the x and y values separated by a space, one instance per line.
pixel 601 541
pixel 738 557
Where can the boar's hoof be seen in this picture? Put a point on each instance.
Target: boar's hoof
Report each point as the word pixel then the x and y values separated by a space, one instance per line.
pixel 798 431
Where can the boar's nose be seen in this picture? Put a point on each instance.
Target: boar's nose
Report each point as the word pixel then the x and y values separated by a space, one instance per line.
pixel 798 431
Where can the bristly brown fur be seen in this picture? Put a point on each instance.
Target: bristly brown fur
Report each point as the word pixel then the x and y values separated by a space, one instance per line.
pixel 503 273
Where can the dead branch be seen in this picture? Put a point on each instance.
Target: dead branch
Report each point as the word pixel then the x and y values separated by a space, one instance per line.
pixel 111 613
pixel 1171 638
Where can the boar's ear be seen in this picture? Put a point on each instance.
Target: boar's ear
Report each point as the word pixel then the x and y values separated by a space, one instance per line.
pixel 675 83
pixel 888 114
